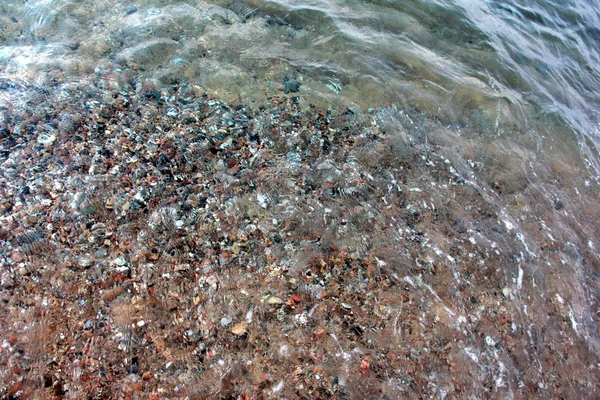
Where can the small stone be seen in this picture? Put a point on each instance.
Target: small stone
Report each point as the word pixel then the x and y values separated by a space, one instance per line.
pixel 213 282
pixel 147 375
pixel 46 139
pixel 301 319
pixel 88 325
pixel 130 10
pixel 138 386
pixel 119 261
pixel 101 253
pixel 178 61
pixel 226 144
pixel 16 390
pixel 239 329
pixel 17 256
pixel 12 339
pixel 230 162
pixel 23 271
pixel 274 300
pixel 225 321
pixel 123 268
pixel 235 248
pixel 84 261
pixel 291 85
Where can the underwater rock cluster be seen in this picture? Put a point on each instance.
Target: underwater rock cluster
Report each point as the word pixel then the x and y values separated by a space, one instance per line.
pixel 158 242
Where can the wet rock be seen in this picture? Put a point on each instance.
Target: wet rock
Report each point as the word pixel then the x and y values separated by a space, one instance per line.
pixel 274 300
pixel 74 45
pixel 130 9
pixel 101 253
pixel 84 261
pixel 46 139
pixel 133 369
pixel 15 390
pixel 146 376
pixel 291 85
pixel 148 53
pixel 120 261
pixel 352 226
pixel 240 329
pixel 17 256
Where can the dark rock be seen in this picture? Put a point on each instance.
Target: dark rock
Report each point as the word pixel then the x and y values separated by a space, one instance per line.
pixel 291 85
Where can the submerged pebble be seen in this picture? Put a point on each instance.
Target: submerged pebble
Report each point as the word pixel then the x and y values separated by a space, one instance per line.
pixel 169 213
pixel 46 139
pixel 291 85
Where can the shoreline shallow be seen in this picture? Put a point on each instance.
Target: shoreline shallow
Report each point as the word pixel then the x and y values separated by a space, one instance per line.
pixel 157 241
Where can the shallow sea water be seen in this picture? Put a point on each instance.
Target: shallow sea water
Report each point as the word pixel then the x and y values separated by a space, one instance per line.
pixel 506 92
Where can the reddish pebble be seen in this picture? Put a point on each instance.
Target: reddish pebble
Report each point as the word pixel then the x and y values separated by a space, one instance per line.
pixel 231 162
pixel 12 339
pixel 15 389
pixel 137 387
pixel 17 256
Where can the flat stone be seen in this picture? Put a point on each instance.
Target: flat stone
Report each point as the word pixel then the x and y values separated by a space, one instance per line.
pixel 46 139
pixel 84 261
pixel 119 261
pixel 274 300
pixel 17 256
pixel 239 329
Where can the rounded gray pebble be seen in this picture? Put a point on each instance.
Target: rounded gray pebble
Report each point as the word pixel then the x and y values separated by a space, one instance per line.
pixel 130 10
